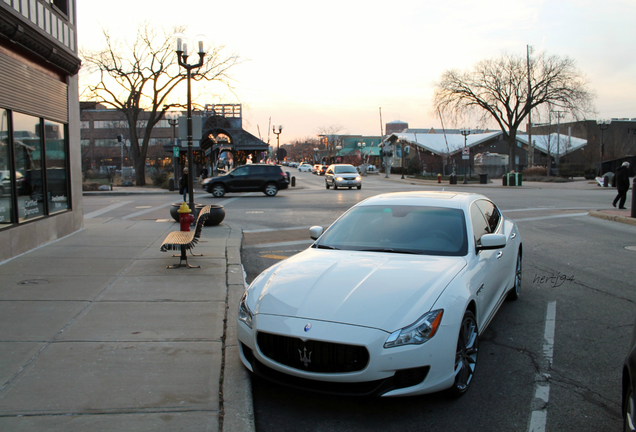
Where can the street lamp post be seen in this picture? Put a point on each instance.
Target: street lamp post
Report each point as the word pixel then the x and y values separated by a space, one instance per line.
pixel 182 56
pixel 465 132
pixel 173 120
pixel 316 150
pixel 277 133
pixel 603 124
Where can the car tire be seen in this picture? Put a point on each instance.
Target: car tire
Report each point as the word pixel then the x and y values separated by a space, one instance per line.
pixel 218 190
pixel 270 189
pixel 629 410
pixel 359 187
pixel 465 355
pixel 327 185
pixel 335 186
pixel 515 291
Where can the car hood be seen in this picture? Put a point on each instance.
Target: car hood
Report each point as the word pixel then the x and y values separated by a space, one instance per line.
pixel 379 290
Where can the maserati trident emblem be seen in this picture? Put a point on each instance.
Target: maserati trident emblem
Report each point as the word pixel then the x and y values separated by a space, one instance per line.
pixel 304 357
pixel 307 327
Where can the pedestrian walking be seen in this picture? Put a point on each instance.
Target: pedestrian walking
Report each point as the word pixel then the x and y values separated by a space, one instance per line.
pixel 183 184
pixel 621 180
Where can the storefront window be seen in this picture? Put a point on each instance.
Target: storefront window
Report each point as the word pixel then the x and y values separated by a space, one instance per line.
pixel 56 175
pixel 28 162
pixel 6 192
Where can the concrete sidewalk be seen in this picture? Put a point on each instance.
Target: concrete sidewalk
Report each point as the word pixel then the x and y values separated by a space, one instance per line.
pixel 96 334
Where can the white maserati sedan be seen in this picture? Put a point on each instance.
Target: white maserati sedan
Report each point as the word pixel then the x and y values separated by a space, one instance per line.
pixel 390 300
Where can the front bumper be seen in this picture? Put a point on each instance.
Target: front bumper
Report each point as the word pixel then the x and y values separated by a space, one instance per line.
pixel 399 371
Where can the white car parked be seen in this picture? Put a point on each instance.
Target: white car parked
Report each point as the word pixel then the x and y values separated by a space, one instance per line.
pixel 390 300
pixel 304 167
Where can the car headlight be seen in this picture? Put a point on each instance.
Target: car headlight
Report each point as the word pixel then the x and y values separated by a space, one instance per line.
pixel 339 178
pixel 244 312
pixel 417 333
pixel 358 178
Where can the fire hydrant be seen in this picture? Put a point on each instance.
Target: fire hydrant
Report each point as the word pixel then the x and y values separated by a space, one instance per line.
pixel 439 178
pixel 185 218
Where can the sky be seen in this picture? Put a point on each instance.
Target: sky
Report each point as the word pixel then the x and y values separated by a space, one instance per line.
pixel 356 65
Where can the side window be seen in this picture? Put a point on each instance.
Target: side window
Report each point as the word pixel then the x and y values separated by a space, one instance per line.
pixel 480 226
pixel 491 212
pixel 241 171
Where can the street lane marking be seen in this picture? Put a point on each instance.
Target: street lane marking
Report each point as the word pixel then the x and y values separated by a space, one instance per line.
pixel 139 213
pixel 276 257
pixel 551 217
pixel 539 417
pixel 106 209
pixel 274 229
pixel 273 245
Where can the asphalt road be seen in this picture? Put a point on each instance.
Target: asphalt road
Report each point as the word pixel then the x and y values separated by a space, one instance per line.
pixel 551 358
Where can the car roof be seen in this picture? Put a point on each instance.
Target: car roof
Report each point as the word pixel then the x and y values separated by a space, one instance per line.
pixel 426 198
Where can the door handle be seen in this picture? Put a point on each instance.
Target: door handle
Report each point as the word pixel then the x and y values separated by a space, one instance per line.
pixel 499 254
pixel 513 235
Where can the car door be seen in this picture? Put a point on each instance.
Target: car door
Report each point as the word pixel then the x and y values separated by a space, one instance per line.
pixel 239 179
pixel 487 266
pixel 329 175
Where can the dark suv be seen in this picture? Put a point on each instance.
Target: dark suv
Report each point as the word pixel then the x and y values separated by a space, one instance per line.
pixel 248 178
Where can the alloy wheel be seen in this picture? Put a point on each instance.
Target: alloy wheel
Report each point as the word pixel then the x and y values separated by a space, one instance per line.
pixel 466 354
pixel 218 190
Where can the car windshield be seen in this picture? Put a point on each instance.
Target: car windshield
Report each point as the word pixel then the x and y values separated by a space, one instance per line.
pixel 345 169
pixel 399 229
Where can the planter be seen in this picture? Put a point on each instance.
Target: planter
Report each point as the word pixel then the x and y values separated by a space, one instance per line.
pixel 217 213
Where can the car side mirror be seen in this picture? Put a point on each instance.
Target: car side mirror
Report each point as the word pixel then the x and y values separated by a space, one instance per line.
pixel 315 232
pixel 492 241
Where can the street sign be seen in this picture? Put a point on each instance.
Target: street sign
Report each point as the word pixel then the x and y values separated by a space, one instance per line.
pixel 466 153
pixel 175 151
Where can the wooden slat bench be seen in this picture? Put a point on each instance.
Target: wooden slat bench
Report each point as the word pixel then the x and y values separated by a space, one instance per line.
pixel 186 240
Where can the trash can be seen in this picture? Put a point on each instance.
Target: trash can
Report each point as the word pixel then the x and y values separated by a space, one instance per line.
pixel 453 179
pixel 483 178
pixel 504 179
pixel 518 175
pixel 171 184
pixel 512 179
pixel 606 181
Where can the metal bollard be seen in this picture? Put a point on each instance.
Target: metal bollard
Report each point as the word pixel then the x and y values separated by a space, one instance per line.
pixel 293 181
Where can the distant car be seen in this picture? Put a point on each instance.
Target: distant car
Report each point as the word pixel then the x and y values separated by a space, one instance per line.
pixel 629 386
pixel 315 169
pixel 342 175
pixel 390 300
pixel 304 167
pixel 322 169
pixel 265 178
pixel 5 182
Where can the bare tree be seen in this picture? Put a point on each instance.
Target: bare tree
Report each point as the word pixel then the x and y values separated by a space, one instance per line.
pixel 140 77
pixel 329 138
pixel 499 89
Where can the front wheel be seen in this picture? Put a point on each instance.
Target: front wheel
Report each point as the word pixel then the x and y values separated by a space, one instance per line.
pixel 359 187
pixel 271 189
pixel 218 190
pixel 327 185
pixel 514 292
pixel 466 355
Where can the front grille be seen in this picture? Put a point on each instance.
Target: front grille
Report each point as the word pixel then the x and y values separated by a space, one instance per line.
pixel 313 356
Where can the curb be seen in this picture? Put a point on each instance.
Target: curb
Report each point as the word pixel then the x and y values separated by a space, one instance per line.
pixel 615 218
pixel 238 406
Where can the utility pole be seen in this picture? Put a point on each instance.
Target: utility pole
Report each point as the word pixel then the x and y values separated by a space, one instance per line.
pixel 559 115
pixel 529 105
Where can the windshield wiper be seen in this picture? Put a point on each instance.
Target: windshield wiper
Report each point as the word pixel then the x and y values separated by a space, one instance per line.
pixel 321 246
pixel 402 251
